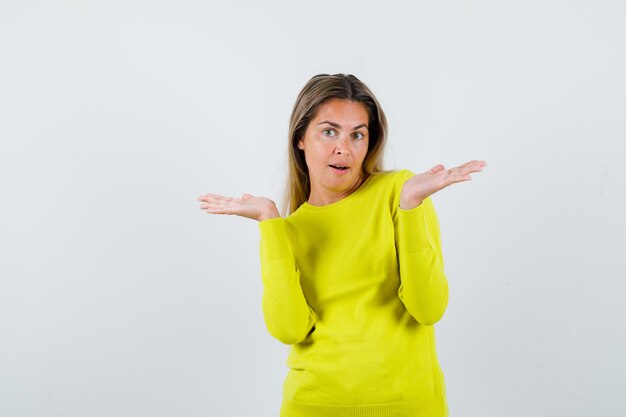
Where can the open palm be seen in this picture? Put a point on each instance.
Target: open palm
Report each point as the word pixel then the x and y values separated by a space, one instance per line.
pixel 256 208
pixel 420 186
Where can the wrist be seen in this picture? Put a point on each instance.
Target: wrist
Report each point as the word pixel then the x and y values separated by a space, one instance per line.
pixel 268 215
pixel 409 204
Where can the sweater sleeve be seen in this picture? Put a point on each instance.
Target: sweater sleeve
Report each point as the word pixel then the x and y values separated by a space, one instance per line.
pixel 423 284
pixel 287 315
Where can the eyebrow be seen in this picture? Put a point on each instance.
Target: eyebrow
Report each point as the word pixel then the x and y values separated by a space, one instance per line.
pixel 333 124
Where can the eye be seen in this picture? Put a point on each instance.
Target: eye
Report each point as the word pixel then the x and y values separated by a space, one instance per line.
pixel 358 135
pixel 324 132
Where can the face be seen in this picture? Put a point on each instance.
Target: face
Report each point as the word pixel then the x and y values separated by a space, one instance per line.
pixel 335 144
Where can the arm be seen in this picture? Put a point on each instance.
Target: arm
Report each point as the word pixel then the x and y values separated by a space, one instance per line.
pixel 424 287
pixel 287 315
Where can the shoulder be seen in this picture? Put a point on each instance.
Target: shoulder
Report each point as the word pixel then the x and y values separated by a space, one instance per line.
pixel 393 178
pixel 402 175
pixel 386 186
pixel 393 175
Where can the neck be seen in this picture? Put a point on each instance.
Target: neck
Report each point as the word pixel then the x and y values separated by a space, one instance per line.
pixel 321 196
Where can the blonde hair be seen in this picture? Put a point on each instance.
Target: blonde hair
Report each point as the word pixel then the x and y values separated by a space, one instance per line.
pixel 316 92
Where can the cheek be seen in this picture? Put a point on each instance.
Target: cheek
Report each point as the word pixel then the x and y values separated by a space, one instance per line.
pixel 316 154
pixel 363 150
pixel 320 150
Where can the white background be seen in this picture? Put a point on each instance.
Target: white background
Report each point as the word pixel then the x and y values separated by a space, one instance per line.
pixel 119 297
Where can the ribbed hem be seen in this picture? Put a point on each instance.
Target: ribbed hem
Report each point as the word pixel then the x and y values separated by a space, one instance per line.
pixel 433 407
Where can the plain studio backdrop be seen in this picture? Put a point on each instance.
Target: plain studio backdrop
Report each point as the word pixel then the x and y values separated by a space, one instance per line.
pixel 120 297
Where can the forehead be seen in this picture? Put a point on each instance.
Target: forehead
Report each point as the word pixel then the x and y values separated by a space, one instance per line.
pixel 348 111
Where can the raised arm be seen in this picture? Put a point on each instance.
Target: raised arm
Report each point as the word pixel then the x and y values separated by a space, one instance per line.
pixel 288 316
pixel 423 283
pixel 286 312
pixel 424 286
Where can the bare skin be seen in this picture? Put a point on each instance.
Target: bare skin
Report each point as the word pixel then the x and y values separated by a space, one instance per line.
pixel 339 135
pixel 256 208
pixel 414 191
pixel 420 186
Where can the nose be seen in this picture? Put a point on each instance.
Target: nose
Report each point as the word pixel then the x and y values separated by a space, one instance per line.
pixel 342 146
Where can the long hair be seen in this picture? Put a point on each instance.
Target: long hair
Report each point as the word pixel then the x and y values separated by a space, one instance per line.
pixel 316 92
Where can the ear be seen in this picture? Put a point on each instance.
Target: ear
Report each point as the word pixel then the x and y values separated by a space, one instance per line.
pixel 300 144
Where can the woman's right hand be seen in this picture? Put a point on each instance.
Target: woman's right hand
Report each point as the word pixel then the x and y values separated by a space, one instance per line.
pixel 256 208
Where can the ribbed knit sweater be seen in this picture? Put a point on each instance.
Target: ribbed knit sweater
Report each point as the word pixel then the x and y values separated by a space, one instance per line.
pixel 355 288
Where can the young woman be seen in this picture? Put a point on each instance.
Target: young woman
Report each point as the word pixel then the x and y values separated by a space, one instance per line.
pixel 353 275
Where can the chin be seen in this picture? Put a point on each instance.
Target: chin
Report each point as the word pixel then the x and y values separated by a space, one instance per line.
pixel 344 182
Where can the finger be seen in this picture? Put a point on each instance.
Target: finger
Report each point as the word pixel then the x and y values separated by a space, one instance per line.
pixel 205 197
pixel 477 163
pixel 216 198
pixel 230 202
pixel 222 203
pixel 205 206
pixel 454 175
pixel 219 211
pixel 475 167
pixel 222 208
pixel 468 163
pixel 470 167
pixel 474 163
pixel 437 168
pixel 246 197
pixel 453 179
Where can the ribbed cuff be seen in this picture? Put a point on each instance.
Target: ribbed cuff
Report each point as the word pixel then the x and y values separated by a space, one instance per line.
pixel 412 229
pixel 274 243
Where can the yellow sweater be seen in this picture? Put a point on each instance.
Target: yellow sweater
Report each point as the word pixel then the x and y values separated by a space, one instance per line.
pixel 355 288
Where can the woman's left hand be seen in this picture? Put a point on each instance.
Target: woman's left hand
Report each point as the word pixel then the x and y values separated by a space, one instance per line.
pixel 420 186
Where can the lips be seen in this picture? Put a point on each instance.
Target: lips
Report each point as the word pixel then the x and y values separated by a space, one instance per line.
pixel 339 166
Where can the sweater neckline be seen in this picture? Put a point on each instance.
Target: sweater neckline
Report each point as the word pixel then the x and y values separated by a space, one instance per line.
pixel 339 203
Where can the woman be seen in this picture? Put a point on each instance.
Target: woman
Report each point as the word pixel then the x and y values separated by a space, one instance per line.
pixel 353 276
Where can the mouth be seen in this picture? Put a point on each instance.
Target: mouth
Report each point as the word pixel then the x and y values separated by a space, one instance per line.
pixel 339 167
